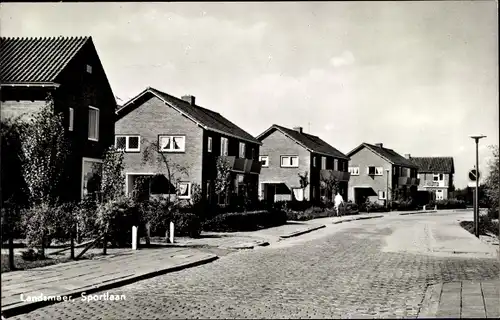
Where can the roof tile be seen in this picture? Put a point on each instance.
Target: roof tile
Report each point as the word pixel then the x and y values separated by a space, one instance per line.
pixel 434 164
pixel 32 60
pixel 315 143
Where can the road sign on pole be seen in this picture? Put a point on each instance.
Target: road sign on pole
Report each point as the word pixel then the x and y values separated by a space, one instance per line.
pixel 474 175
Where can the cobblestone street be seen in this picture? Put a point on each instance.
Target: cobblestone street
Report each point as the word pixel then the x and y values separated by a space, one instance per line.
pixel 338 272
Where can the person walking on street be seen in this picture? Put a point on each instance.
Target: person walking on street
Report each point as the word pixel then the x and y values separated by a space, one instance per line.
pixel 339 201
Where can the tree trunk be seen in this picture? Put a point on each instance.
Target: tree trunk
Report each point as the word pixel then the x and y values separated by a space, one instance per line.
pixel 148 234
pixel 105 244
pixel 12 265
pixel 72 244
pixel 42 250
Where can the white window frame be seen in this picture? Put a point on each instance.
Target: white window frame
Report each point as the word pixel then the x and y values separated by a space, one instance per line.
pixel 242 152
pixel 383 197
pixel 224 146
pixel 314 161
pixel 127 143
pixel 209 144
pixel 96 124
pixel 323 163
pixel 189 184
pixel 266 159
pixel 71 119
pixel 354 171
pixel 379 171
pixel 438 176
pixel 336 164
pixel 290 158
pixel 172 136
pixel 82 184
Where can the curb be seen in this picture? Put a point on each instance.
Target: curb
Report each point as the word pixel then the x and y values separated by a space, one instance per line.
pixel 246 246
pixel 301 232
pixel 417 212
pixel 24 308
pixel 360 218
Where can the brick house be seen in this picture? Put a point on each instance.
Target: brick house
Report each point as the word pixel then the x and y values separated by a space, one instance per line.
pixel 436 175
pixel 378 172
pixel 69 69
pixel 189 136
pixel 286 153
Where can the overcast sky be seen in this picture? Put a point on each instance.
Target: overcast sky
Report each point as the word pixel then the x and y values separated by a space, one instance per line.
pixel 417 76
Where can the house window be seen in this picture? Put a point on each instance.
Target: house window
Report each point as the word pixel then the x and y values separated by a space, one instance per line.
pixel 223 146
pixel 128 143
pixel 71 119
pixel 381 195
pixel 172 143
pixel 354 171
pixel 290 161
pixel 314 161
pixel 336 164
pixel 89 68
pixel 93 124
pixel 264 161
pixel 184 190
pixel 375 171
pixel 323 163
pixel 209 144
pixel 394 170
pixel 242 150
pixel 438 177
pixel 253 153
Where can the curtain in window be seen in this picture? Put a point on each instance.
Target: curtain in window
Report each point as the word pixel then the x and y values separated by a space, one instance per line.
pixel 93 124
pixel 165 143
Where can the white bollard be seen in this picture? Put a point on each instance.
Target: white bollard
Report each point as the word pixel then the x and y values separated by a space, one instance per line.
pixel 171 234
pixel 424 207
pixel 134 238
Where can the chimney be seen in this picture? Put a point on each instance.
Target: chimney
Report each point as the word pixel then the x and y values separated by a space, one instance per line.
pixel 380 145
pixel 189 98
pixel 298 129
pixel 408 156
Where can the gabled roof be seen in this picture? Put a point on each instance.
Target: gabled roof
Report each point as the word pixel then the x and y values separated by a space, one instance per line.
pixel 205 118
pixel 36 60
pixel 434 164
pixel 308 141
pixel 388 154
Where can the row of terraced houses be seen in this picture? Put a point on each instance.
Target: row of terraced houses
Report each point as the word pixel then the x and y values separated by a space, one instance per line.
pixel 267 166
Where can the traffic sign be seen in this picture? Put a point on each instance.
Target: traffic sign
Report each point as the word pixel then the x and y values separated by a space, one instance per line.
pixel 473 175
pixel 472 184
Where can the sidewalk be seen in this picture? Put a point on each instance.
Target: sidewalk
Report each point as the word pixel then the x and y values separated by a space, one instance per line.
pixel 246 239
pixel 73 278
pixel 463 299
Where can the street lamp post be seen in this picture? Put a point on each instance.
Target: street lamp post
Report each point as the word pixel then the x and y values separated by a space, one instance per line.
pixel 476 197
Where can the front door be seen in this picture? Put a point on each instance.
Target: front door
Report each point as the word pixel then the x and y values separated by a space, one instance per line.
pixel 269 191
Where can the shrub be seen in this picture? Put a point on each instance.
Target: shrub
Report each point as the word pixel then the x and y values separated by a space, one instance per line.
pixel 186 224
pixel 31 255
pixel 350 208
pixel 245 221
pixel 372 207
pixel 116 218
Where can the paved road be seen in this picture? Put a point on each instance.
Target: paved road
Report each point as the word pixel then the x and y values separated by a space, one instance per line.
pixel 347 270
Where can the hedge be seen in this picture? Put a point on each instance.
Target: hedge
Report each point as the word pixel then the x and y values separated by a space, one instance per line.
pixel 245 221
pixel 448 204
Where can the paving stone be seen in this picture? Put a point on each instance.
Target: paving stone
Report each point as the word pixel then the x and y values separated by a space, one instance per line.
pixel 345 274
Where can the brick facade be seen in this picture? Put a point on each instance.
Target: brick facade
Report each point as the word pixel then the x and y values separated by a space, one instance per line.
pixel 78 90
pixel 154 118
pixel 275 145
pixel 362 159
